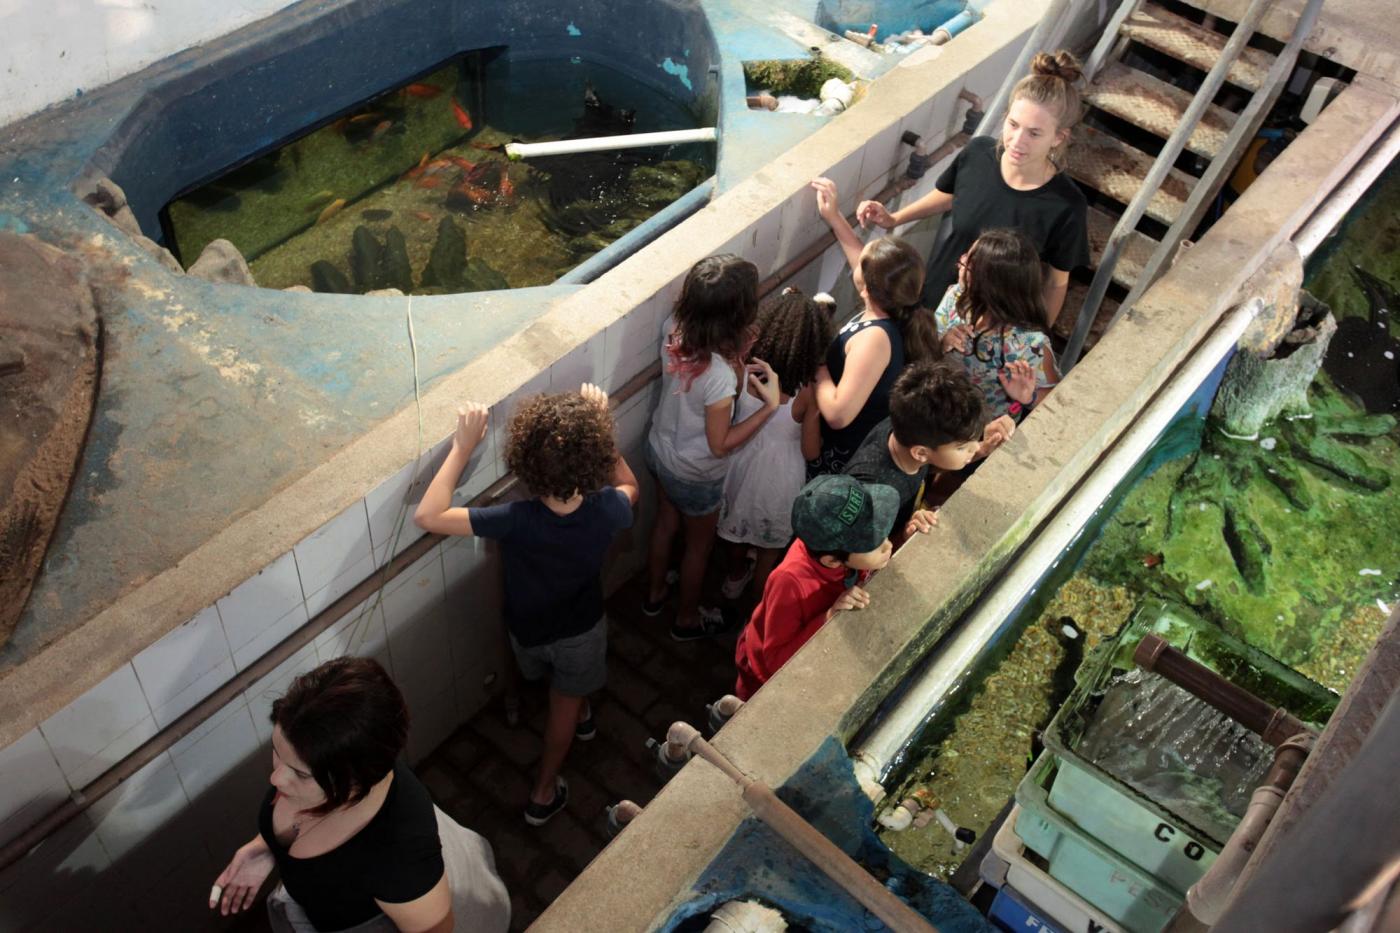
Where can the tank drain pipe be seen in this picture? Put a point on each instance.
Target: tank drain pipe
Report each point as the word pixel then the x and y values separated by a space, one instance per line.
pixel 875 751
pixel 802 836
pixel 1274 724
pixel 1331 211
pixel 1207 899
pixel 703 134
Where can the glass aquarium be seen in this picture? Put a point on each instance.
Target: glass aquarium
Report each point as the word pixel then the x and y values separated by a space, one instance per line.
pixel 412 189
pixel 1285 541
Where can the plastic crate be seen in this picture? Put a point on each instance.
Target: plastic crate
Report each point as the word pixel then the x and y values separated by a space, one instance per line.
pixel 1206 643
pixel 1137 900
pixel 1010 913
pixel 1162 848
pixel 1034 888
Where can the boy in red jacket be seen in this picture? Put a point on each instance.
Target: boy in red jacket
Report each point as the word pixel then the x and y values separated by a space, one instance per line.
pixel 843 528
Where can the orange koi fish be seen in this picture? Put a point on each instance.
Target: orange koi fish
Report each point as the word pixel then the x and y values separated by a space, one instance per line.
pixel 381 128
pixel 473 193
pixel 487 146
pixel 423 216
pixel 507 188
pixel 1151 560
pixel 464 119
pixel 428 181
pixel 461 163
pixel 423 91
pixel 417 169
pixel 365 117
pixel 331 210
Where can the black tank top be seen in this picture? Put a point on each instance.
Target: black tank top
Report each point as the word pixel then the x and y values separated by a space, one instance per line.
pixel 839 443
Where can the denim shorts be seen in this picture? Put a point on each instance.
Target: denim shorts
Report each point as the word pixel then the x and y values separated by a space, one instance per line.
pixel 576 666
pixel 689 497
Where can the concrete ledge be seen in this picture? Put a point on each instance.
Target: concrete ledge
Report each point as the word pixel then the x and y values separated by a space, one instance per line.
pixel 832 685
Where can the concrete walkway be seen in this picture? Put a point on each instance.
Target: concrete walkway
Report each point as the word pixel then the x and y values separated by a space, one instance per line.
pixel 482 774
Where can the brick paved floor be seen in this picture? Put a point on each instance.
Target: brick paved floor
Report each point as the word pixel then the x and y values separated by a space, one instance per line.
pixel 482 774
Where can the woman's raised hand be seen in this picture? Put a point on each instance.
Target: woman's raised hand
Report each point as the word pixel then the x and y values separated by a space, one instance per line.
pixel 239 883
pixel 764 382
pixel 827 201
pixel 874 213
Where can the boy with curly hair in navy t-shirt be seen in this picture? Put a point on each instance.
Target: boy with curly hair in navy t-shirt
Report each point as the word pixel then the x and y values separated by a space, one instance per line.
pixel 553 545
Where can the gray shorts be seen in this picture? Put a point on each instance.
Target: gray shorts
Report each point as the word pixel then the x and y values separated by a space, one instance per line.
pixel 576 666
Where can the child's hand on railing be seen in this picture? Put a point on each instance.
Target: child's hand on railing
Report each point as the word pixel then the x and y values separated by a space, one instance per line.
pixel 471 426
pixel 827 200
pixel 594 394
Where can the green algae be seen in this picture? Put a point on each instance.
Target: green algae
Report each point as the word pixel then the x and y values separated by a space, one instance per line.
pixel 971 766
pixel 798 77
pixel 1269 538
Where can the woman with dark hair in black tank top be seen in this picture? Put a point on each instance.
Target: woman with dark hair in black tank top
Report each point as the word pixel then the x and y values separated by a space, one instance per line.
pixel 868 354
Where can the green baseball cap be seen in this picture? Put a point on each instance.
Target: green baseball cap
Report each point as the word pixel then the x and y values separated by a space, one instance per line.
pixel 840 513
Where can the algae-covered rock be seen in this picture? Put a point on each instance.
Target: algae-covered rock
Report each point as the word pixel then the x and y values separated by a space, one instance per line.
pixel 327 278
pixel 222 262
pixel 395 266
pixel 481 276
pixel 366 260
pixel 447 263
pixel 1258 389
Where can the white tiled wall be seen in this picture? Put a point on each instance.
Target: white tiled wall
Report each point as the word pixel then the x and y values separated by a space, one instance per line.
pixel 436 626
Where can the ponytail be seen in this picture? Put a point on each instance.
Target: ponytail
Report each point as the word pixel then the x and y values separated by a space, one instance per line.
pixel 893 272
pixel 920 333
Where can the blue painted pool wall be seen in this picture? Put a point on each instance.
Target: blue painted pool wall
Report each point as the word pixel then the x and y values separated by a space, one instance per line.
pixel 311 64
pixel 892 16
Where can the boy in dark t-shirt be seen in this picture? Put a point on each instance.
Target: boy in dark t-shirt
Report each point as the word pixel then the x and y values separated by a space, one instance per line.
pixel 937 420
pixel 552 551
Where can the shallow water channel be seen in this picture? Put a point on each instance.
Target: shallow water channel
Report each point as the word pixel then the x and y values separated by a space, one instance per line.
pixel 1285 541
pixel 412 189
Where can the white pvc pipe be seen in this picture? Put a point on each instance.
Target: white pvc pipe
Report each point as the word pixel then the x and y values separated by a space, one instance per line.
pixel 704 134
pixel 958 653
pixel 1331 211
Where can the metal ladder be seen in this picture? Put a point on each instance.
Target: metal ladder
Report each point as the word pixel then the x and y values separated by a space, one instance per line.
pixel 1143 185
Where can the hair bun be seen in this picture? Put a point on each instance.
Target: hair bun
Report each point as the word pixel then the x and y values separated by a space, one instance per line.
pixel 1061 64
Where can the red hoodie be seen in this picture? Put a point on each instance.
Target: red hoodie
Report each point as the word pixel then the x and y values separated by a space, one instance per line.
pixel 796 598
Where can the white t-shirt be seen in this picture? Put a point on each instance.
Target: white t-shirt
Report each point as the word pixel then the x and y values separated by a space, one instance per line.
pixel 678 425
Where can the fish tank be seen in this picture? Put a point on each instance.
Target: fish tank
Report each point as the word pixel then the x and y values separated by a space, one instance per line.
pixel 412 189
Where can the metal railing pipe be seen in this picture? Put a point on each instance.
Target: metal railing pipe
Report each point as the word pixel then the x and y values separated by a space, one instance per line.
pixel 1246 125
pixel 1173 147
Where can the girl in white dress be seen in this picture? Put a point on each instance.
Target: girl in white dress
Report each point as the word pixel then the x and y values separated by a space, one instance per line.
pixel 766 474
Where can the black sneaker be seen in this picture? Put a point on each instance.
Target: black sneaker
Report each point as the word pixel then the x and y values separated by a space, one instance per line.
pixel 586 730
pixel 653 609
pixel 537 814
pixel 712 622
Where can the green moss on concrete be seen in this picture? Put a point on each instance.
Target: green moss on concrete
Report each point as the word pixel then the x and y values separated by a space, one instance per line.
pixel 798 77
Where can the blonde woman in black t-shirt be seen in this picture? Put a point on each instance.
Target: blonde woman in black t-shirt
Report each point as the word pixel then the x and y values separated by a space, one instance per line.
pixel 1015 181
